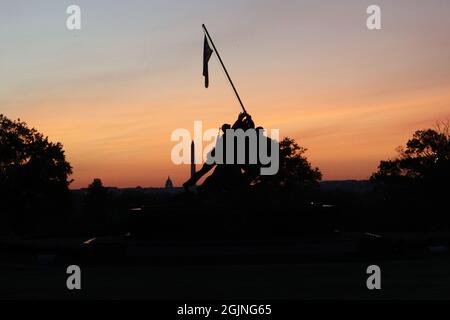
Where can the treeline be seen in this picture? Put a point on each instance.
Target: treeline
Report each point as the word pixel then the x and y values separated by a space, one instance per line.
pixel 406 193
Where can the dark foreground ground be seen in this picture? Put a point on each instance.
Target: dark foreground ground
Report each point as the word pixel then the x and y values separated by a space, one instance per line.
pixel 400 280
pixel 129 269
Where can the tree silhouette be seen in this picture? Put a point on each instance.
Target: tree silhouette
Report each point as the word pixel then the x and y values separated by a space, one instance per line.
pixel 33 173
pixel 295 172
pixel 426 156
pixel 417 180
pixel 295 169
pixel 97 203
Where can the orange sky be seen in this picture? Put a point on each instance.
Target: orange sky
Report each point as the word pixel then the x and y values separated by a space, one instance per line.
pixel 114 91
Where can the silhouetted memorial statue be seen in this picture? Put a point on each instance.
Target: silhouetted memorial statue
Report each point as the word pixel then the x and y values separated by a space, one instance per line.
pixel 236 157
pixel 228 173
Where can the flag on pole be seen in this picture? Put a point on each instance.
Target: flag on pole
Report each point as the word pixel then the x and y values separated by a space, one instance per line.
pixel 207 52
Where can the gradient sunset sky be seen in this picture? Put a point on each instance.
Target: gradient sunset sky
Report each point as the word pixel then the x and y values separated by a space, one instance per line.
pixel 114 91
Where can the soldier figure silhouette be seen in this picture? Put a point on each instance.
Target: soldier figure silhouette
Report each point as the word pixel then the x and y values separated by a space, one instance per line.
pixel 226 175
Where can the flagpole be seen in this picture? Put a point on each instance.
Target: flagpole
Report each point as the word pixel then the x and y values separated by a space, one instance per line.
pixel 224 68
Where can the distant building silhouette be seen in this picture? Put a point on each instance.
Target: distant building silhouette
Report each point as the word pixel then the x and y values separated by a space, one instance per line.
pixel 192 158
pixel 169 183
